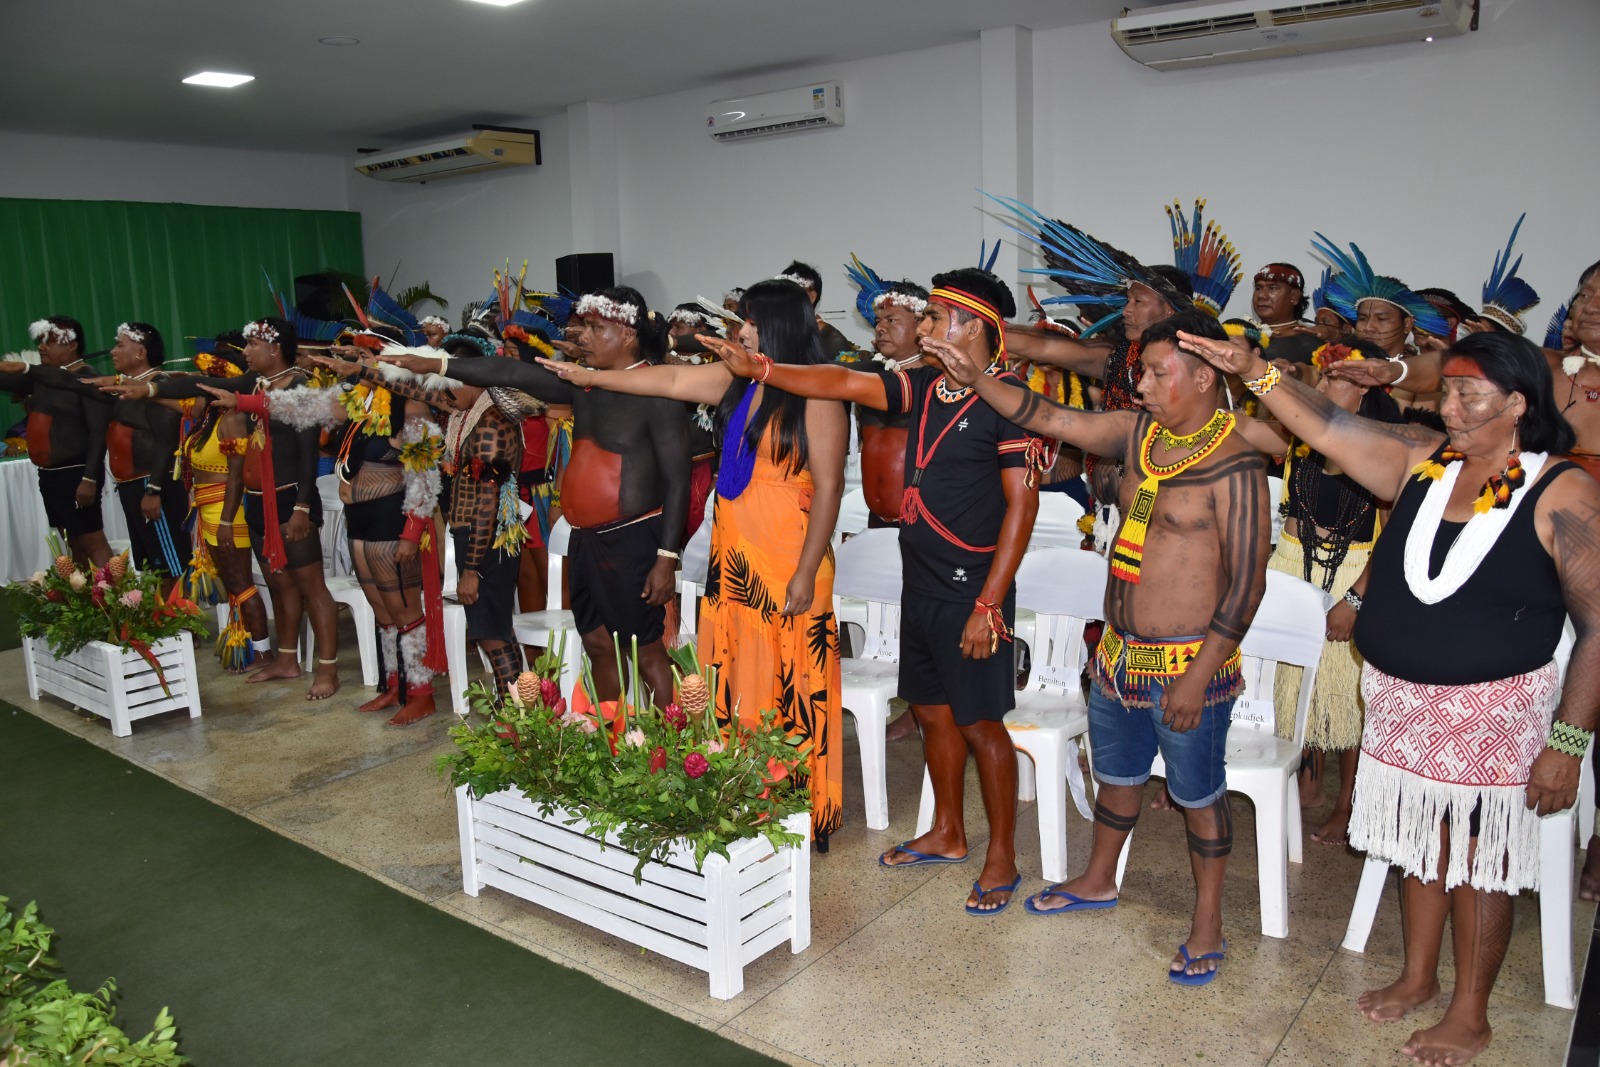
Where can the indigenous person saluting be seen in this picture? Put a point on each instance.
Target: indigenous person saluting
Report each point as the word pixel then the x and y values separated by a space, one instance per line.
pixel 1188 569
pixel 1492 543
pixel 626 489
pixel 968 511
pixel 767 620
pixel 63 428
pixel 282 507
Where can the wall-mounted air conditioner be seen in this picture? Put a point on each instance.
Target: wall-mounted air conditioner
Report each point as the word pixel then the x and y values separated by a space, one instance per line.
pixel 810 106
pixel 486 148
pixel 1230 31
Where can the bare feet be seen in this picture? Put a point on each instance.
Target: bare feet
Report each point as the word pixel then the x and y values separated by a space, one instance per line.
pixel 419 707
pixel 279 667
pixel 325 682
pixel 1336 831
pixel 1448 1044
pixel 1162 801
pixel 387 699
pixel 1394 1001
pixel 1310 778
pixel 904 728
pixel 1589 881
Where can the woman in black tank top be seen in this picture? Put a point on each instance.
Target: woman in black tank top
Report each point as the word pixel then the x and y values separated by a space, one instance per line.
pixel 1492 544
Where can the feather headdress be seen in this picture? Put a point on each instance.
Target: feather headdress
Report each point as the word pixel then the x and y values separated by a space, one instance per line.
pixel 1553 332
pixel 868 288
pixel 1091 271
pixel 1506 296
pixel 1319 295
pixel 515 321
pixel 557 307
pixel 306 328
pixel 1207 256
pixel 1357 281
pixel 387 311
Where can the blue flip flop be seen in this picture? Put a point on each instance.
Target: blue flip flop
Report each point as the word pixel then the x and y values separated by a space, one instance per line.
pixel 1183 977
pixel 919 859
pixel 973 909
pixel 1074 902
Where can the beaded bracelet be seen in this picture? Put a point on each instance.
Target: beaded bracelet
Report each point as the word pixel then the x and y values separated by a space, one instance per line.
pixel 766 365
pixel 1568 739
pixel 1266 383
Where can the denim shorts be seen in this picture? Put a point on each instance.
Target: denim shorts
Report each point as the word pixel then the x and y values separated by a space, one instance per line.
pixel 1125 742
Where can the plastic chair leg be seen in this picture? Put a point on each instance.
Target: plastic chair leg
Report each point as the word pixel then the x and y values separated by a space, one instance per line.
pixel 1272 861
pixel 1373 875
pixel 1292 821
pixel 872 730
pixel 1052 809
pixel 1555 906
pixel 1027 787
pixel 455 651
pixel 1122 858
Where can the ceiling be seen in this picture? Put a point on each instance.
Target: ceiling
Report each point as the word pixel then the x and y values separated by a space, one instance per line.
pixel 112 68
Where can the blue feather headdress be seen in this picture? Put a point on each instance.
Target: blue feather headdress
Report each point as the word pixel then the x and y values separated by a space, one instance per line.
pixel 306 328
pixel 385 310
pixel 1553 332
pixel 1506 296
pixel 1319 296
pixel 1356 281
pixel 1091 271
pixel 1207 256
pixel 869 287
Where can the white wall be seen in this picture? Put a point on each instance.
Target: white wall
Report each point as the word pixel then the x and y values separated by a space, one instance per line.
pixel 454 233
pixel 1422 154
pixel 896 184
pixel 74 168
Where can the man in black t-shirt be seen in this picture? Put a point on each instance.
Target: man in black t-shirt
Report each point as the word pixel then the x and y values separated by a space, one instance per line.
pixel 966 516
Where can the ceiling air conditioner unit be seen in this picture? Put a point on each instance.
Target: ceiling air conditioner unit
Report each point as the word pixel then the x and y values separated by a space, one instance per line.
pixel 1231 31
pixel 486 148
pixel 817 104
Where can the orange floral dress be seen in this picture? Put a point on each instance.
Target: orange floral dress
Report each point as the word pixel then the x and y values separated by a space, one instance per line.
pixel 763 659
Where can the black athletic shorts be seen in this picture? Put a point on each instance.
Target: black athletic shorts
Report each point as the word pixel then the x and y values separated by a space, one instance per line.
pixel 161 545
pixel 59 488
pixel 608 569
pixel 379 519
pixel 299 553
pixel 933 671
pixel 489 617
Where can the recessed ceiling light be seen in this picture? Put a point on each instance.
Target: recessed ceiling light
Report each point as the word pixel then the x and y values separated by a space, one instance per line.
pixel 338 41
pixel 498 3
pixel 218 80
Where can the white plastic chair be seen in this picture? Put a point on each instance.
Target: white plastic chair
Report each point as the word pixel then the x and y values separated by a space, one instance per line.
pixel 1274 495
pixel 1065 588
pixel 1556 872
pixel 1056 525
pixel 696 561
pixel 335 545
pixel 542 627
pixel 867 567
pixel 853 514
pixel 1289 627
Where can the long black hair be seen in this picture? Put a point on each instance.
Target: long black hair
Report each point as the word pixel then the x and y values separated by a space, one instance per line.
pixel 782 312
pixel 1517 365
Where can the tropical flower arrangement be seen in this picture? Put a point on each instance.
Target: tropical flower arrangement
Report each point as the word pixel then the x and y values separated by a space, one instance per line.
pixel 69 607
pixel 650 776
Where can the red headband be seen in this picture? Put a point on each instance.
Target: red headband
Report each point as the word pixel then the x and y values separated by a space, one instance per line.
pixel 959 298
pixel 1462 367
pixel 1282 272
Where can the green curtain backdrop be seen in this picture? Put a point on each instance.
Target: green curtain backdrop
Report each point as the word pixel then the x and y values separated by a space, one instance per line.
pixel 185 269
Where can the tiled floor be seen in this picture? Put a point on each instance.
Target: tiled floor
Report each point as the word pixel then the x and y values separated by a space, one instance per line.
pixel 896 972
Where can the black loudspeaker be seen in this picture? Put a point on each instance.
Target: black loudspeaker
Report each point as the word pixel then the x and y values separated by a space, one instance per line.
pixel 585 272
pixel 320 297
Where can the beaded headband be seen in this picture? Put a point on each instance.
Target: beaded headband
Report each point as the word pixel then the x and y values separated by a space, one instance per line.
pixel 433 320
pixel 1282 272
pixel 914 304
pixel 137 336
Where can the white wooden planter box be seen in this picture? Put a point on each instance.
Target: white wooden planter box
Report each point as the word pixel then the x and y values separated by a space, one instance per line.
pixel 115 683
pixel 717 919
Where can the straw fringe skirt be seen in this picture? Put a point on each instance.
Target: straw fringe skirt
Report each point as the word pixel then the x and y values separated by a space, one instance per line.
pixel 1334 721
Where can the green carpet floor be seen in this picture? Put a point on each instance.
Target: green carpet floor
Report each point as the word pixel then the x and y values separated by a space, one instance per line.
pixel 270 953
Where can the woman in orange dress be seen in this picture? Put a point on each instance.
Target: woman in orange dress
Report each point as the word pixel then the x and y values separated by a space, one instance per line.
pixel 767 621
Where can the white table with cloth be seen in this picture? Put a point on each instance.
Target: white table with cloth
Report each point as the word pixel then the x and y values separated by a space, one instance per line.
pixel 23 527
